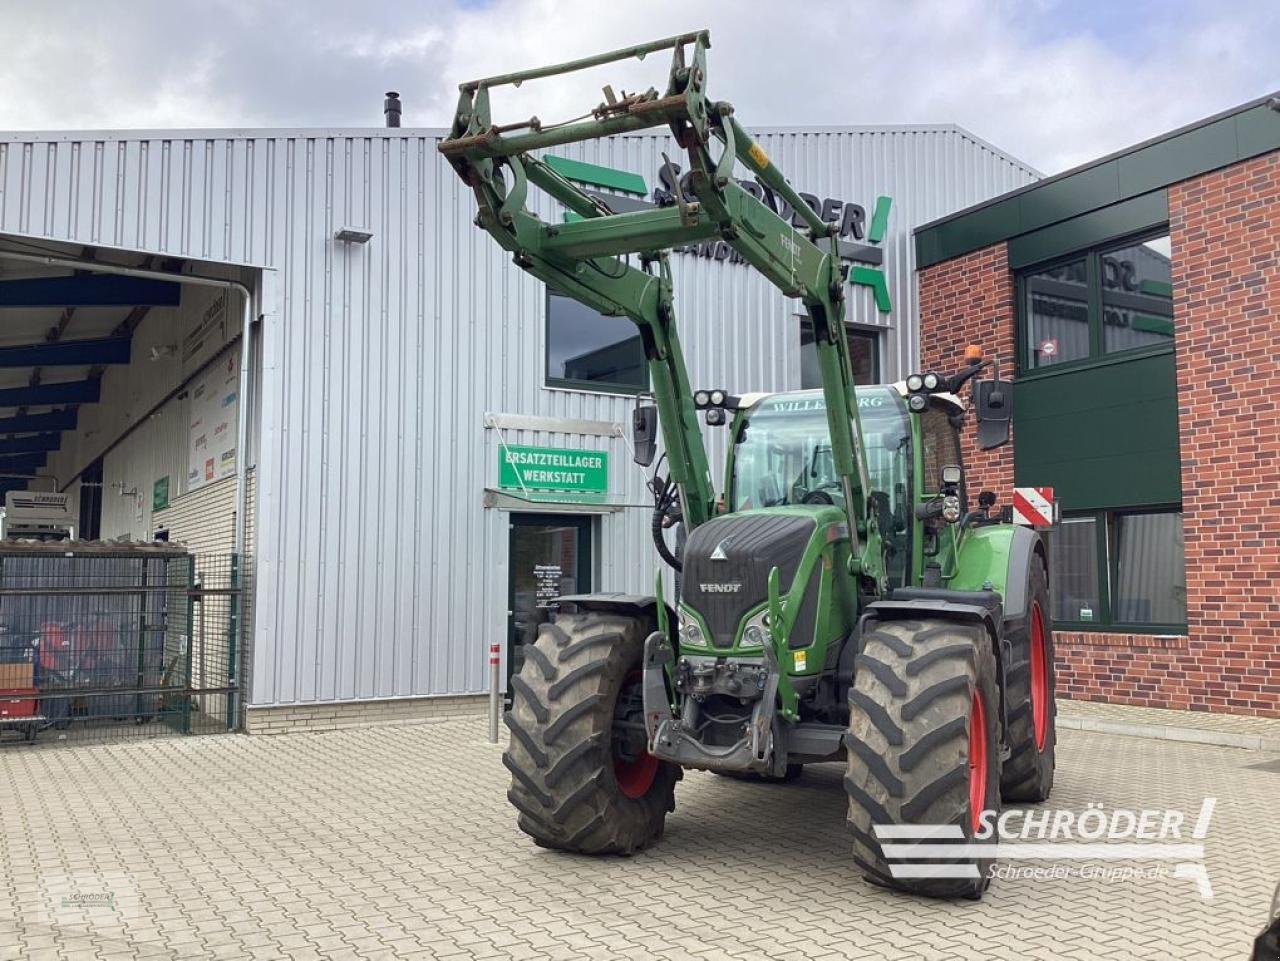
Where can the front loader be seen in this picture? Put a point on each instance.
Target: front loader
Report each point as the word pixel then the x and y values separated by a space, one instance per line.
pixel 839 602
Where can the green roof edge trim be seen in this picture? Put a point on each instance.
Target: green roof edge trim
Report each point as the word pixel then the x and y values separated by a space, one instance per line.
pixel 597 176
pixel 1241 133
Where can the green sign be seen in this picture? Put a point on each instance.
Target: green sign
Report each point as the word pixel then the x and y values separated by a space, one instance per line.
pixel 524 468
pixel 160 494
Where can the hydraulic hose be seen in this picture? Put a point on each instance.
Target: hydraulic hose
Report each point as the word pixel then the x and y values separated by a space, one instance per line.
pixel 660 542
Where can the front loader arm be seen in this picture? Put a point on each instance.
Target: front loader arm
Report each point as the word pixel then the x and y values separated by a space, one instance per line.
pixel 588 259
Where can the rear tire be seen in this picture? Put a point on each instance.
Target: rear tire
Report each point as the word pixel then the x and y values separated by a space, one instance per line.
pixel 574 787
pixel 923 749
pixel 1028 773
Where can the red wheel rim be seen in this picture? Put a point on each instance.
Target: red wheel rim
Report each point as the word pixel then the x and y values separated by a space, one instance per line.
pixel 977 760
pixel 1039 677
pixel 634 777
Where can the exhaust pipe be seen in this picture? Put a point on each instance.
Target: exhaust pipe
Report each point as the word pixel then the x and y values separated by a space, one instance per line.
pixel 391 109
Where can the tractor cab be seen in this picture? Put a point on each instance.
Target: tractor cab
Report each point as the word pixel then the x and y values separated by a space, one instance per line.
pixel 780 454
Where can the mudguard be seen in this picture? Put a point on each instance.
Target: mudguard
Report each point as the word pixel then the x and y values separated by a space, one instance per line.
pixel 636 604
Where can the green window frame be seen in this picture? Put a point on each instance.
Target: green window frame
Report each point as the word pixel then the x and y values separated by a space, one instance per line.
pixel 1099 298
pixel 1109 577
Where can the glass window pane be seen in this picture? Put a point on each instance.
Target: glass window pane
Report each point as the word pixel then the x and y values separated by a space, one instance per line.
pixel 1137 295
pixel 1073 566
pixel 1057 312
pixel 862 356
pixel 940 447
pixel 1151 580
pixel 864 353
pixel 592 350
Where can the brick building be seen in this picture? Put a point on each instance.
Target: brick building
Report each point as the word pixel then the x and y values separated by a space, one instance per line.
pixel 1135 302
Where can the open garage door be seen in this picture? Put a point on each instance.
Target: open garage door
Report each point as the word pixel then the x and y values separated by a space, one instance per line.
pixel 126 416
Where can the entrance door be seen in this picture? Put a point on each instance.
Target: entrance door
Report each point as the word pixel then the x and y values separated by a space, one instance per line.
pixel 549 555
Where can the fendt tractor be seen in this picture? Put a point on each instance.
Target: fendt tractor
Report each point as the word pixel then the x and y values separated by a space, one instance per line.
pixel 840 602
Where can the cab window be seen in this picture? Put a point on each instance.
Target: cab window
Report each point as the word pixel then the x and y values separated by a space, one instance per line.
pixel 940 446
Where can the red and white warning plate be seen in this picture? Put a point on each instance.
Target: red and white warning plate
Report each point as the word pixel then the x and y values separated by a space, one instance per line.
pixel 1033 506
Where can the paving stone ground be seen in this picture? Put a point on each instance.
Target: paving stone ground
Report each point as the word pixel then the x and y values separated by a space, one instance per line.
pixel 398 843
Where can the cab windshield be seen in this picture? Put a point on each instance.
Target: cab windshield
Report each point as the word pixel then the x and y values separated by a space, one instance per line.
pixel 783 456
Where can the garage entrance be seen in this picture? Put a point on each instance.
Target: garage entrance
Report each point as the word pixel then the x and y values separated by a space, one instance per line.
pixel 126 484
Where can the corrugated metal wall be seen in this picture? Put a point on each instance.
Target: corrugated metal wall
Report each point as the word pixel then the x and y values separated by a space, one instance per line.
pixel 380 574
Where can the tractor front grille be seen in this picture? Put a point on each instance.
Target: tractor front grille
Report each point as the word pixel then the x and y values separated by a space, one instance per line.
pixel 723 590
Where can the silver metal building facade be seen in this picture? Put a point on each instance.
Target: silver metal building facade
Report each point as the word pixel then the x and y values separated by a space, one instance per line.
pixel 392 373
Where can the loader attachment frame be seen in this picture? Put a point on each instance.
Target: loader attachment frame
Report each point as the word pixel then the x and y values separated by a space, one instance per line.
pixel 589 259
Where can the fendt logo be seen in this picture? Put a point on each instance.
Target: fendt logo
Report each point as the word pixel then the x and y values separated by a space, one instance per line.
pixel 859 240
pixel 720 588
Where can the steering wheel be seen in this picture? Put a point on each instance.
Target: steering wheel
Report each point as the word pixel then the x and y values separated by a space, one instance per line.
pixel 817 497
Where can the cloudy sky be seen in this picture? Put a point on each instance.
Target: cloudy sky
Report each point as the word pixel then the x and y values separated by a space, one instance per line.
pixel 1054 82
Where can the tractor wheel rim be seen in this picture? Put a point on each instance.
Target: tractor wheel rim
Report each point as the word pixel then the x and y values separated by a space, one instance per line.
pixel 1039 677
pixel 637 775
pixel 977 761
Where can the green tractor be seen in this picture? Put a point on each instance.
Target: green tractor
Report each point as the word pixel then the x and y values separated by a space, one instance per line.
pixel 840 602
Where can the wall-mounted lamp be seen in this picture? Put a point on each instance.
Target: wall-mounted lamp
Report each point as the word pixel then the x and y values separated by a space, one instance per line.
pixel 353 235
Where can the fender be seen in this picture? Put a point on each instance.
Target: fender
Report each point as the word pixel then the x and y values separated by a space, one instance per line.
pixel 638 605
pixel 1023 546
pixel 998 558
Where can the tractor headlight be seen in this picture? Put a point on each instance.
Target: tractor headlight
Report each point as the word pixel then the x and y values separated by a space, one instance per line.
pixel 701 398
pixel 756 633
pixel 932 381
pixel 915 382
pixel 951 508
pixel 690 632
pixel 917 403
pixel 717 397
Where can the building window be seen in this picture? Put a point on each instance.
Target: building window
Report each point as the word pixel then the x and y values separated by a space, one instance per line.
pixel 864 355
pixel 1137 295
pixel 590 351
pixel 1109 299
pixel 1120 570
pixel 1057 312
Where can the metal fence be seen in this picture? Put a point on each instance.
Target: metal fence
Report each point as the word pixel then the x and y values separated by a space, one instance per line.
pixel 103 642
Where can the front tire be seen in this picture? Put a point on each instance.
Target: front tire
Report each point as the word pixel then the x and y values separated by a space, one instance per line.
pixel 581 777
pixel 923 750
pixel 1027 775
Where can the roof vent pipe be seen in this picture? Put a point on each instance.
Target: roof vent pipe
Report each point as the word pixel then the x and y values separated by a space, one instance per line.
pixel 391 108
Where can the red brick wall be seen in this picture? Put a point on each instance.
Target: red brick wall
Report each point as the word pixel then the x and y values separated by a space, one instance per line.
pixel 1225 228
pixel 970 300
pixel 1225 232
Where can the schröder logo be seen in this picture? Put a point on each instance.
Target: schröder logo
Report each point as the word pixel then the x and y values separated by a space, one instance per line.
pixel 1154 843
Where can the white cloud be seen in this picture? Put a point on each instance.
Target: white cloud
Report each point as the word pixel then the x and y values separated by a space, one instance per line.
pixel 1043 80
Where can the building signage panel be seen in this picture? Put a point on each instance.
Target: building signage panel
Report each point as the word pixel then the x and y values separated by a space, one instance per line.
pixel 160 493
pixel 553 469
pixel 211 444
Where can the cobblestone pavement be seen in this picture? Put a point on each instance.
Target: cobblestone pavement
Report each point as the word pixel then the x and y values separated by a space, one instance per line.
pixel 398 843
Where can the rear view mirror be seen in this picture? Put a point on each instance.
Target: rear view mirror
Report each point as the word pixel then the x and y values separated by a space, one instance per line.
pixel 993 402
pixel 644 433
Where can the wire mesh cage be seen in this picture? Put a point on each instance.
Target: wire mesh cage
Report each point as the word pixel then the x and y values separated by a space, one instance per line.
pixel 107 641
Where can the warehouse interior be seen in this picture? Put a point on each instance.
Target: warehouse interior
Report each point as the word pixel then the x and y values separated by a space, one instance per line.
pixel 121 381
